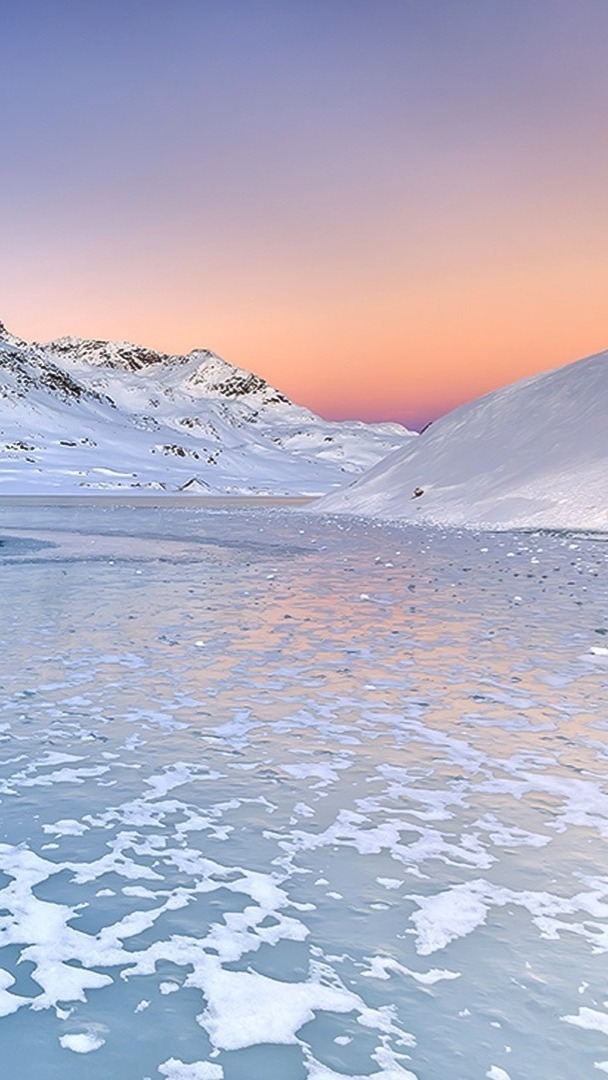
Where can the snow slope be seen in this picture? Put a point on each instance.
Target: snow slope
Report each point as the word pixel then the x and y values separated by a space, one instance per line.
pixel 533 454
pixel 78 416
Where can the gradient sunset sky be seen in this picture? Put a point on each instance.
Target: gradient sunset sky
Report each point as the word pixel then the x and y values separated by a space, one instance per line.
pixel 385 207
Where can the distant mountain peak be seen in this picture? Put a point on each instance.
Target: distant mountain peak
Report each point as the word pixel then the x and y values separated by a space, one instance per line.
pixel 114 416
pixel 217 376
pixel 201 370
pixel 6 338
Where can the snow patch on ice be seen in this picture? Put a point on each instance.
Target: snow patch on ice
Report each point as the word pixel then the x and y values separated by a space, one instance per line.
pixel 82 1043
pixel 590 1019
pixel 246 1008
pixel 174 1069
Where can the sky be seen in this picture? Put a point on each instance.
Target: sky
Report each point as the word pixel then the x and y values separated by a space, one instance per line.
pixel 384 207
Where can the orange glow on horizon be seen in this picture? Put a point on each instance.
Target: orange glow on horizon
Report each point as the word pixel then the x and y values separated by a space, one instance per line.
pixel 396 355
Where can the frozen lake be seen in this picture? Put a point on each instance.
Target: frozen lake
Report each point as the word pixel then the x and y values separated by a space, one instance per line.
pixel 286 798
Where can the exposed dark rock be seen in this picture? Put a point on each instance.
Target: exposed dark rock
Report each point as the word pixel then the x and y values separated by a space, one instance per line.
pixel 176 450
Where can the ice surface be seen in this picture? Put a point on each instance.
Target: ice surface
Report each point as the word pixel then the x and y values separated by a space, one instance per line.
pixel 234 860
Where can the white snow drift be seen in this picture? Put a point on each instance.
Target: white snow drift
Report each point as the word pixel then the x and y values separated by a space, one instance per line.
pixel 533 454
pixel 78 416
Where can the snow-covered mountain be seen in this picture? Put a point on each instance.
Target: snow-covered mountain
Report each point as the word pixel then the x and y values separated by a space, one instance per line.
pixel 78 416
pixel 533 454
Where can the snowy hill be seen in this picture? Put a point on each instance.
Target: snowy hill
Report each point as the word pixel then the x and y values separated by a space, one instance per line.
pixel 78 416
pixel 533 454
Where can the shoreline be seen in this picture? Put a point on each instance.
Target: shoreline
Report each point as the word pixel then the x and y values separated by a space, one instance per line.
pixel 148 501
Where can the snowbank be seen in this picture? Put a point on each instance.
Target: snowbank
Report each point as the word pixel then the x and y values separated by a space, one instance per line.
pixel 533 454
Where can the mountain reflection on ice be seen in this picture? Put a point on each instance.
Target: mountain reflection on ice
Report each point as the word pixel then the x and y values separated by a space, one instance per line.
pixel 299 798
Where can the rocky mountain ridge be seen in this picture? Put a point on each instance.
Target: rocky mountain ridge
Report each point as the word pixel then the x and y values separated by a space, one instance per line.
pixel 113 416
